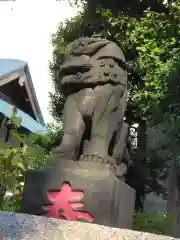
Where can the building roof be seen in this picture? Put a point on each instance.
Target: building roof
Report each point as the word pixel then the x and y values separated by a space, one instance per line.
pixel 10 65
pixel 16 83
pixel 27 122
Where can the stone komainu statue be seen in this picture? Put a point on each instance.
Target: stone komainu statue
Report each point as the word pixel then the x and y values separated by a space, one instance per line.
pixel 94 83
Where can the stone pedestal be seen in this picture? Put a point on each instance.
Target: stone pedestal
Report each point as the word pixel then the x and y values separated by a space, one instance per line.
pixel 93 193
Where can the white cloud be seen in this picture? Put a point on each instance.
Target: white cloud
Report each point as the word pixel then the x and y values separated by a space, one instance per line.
pixel 26 28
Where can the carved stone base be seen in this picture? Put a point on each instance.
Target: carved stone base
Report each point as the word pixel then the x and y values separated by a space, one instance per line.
pixel 72 190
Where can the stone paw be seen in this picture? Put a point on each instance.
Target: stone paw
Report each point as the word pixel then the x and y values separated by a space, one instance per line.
pixel 121 169
pixel 91 158
pixel 111 161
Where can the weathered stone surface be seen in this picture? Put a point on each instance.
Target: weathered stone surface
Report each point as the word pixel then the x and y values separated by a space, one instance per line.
pixel 106 199
pixel 20 226
pixel 93 79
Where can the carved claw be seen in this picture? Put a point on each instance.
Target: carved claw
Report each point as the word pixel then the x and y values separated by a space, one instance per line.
pixel 92 158
pixel 121 169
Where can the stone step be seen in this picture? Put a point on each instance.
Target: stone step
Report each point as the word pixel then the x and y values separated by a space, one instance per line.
pixel 27 227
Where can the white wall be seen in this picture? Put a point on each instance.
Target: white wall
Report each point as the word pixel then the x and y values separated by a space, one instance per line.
pixel 26 27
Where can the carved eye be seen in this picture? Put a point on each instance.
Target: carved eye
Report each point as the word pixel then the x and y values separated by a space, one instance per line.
pixel 78 75
pixel 78 45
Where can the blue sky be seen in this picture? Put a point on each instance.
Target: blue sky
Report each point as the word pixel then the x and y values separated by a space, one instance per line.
pixel 26 28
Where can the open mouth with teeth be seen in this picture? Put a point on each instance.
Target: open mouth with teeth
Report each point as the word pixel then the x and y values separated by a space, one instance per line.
pixel 73 69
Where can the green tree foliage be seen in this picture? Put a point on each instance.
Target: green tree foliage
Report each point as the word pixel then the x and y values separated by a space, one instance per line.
pixel 131 7
pixel 153 223
pixel 15 158
pixel 49 140
pixel 170 110
pixel 149 43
